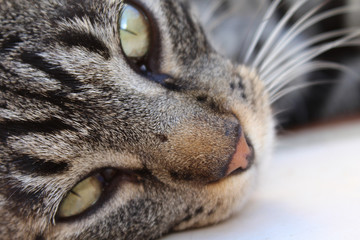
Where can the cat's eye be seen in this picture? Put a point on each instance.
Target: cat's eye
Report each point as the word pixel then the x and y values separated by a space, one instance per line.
pixel 84 194
pixel 140 43
pixel 134 32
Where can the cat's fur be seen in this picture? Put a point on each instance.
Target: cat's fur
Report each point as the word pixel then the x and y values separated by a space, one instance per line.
pixel 71 104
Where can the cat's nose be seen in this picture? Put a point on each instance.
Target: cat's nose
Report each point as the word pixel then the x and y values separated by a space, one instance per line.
pixel 242 158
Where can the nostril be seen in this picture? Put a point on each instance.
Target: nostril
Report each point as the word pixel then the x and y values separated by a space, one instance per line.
pixel 243 157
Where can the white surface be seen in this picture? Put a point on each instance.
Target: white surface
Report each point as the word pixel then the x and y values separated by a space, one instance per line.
pixel 311 190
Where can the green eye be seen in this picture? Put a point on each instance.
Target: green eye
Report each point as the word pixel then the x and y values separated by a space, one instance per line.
pixel 85 194
pixel 134 32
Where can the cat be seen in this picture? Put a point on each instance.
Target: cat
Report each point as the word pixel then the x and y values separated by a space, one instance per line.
pixel 120 120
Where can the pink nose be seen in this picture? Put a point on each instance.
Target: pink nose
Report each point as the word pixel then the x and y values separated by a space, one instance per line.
pixel 242 156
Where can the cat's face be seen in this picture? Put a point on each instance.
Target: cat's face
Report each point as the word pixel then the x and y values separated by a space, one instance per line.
pixel 97 144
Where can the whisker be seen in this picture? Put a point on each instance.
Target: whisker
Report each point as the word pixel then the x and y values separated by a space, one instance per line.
pixel 355 43
pixel 312 41
pixel 309 23
pixel 298 87
pixel 275 33
pixel 280 83
pixel 290 35
pixel 278 112
pixel 269 13
pixel 309 55
pixel 250 31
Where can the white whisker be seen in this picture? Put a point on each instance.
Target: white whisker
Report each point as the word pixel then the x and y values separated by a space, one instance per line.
pixel 309 23
pixel 355 43
pixel 251 29
pixel 291 89
pixel 307 56
pixel 289 36
pixel 275 33
pixel 301 47
pixel 269 13
pixel 289 77
pixel 278 112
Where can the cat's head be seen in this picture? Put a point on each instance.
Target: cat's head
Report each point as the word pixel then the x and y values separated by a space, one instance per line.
pixel 119 120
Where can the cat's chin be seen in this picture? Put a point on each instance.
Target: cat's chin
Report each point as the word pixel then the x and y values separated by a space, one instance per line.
pixel 225 198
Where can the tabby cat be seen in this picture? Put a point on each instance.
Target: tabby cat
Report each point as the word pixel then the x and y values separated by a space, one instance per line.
pixel 120 120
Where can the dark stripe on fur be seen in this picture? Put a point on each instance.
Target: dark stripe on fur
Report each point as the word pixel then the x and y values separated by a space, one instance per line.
pixel 30 165
pixel 53 70
pixel 88 41
pixel 10 43
pixel 54 98
pixel 190 216
pixel 192 42
pixel 51 126
pixel 181 176
pixel 57 98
